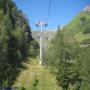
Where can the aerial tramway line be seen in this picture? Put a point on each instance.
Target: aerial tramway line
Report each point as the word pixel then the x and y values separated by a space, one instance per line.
pixel 42 24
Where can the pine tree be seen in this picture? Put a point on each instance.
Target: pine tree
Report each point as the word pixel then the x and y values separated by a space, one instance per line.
pixel 84 59
pixel 15 40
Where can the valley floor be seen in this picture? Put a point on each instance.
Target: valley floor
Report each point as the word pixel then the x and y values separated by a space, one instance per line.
pixel 36 77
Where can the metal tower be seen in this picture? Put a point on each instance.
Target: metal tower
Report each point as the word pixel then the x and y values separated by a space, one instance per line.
pixel 41 24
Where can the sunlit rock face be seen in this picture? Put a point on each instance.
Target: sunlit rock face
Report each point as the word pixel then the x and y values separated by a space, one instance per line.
pixel 87 8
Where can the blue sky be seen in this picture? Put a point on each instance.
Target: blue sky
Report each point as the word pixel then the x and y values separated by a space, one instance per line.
pixel 61 13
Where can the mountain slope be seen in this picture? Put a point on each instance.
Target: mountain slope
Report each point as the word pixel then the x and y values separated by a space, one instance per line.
pixel 80 26
pixel 77 20
pixel 47 36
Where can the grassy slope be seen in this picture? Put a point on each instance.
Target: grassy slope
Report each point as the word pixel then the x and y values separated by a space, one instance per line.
pixel 76 21
pixel 74 26
pixel 46 80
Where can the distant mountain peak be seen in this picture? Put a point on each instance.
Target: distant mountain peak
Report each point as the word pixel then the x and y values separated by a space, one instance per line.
pixel 87 8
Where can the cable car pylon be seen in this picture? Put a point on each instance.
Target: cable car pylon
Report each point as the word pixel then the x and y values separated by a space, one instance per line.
pixel 41 24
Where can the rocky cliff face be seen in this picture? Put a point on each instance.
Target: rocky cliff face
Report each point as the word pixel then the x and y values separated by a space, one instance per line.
pixel 47 36
pixel 87 8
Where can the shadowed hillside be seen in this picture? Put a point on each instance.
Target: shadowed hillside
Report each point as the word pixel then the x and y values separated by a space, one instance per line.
pixel 47 35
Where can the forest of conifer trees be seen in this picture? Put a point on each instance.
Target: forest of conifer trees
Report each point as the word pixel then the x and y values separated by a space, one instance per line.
pixel 67 56
pixel 16 42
